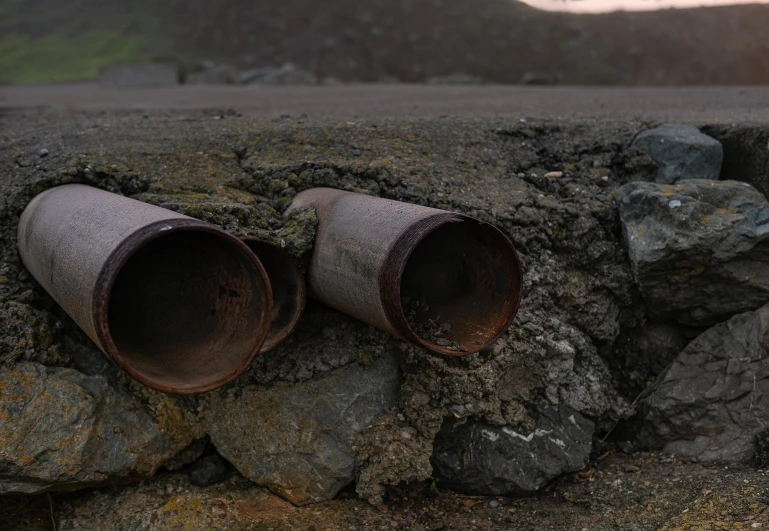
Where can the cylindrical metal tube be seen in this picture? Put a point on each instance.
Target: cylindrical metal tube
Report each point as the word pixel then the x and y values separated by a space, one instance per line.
pixel 445 281
pixel 289 294
pixel 177 303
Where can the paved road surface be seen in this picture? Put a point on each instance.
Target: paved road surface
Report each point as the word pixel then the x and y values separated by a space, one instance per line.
pixel 688 104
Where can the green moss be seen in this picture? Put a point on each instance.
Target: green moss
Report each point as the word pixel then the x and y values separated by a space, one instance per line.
pixel 43 41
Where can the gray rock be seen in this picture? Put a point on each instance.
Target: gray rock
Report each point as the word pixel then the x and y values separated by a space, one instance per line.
pixel 62 430
pixel 681 152
pixel 208 471
pixel 286 74
pixel 698 249
pixel 457 78
pixel 478 458
pixel 140 75
pixel 713 400
pixel 297 439
pixel 214 75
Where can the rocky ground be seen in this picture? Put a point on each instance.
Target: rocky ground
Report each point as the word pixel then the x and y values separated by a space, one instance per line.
pixel 643 327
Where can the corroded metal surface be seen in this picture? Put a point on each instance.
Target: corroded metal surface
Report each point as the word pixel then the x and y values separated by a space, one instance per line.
pixel 289 293
pixel 372 254
pixel 177 303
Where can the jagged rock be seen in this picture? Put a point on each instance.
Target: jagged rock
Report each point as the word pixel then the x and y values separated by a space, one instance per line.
pixel 62 430
pixel 297 439
pixel 713 400
pixel 681 152
pixel 698 249
pixel 478 458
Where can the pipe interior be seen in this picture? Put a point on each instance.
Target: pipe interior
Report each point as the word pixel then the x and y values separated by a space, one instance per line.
pixel 287 290
pixel 184 309
pixel 468 277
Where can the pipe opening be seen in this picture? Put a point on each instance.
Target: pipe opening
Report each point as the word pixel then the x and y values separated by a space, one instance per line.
pixel 288 290
pixel 461 287
pixel 184 311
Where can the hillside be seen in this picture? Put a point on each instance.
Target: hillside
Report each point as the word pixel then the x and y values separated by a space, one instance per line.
pixel 408 40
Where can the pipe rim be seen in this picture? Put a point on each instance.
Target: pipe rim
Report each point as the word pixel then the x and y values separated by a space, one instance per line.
pixel 120 256
pixel 300 300
pixel 394 266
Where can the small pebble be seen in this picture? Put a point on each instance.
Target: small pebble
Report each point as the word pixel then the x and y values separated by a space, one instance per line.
pixel 632 468
pixel 493 504
pixel 356 152
pixel 43 153
pixel 443 342
pixel 554 174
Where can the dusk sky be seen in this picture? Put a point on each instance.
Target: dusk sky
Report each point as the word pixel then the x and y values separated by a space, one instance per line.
pixel 597 6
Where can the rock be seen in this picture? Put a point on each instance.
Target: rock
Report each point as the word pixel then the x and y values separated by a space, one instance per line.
pixel 188 455
pixel 62 430
pixel 681 152
pixel 297 439
pixel 286 74
pixel 698 249
pixel 478 458
pixel 458 78
pixel 214 75
pixel 540 78
pixel 713 400
pixel 140 75
pixel 208 471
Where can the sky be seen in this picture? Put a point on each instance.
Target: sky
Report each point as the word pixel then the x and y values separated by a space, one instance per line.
pixel 599 6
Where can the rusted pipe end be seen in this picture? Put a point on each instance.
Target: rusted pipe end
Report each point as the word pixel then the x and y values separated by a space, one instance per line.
pixel 451 284
pixel 182 306
pixel 289 294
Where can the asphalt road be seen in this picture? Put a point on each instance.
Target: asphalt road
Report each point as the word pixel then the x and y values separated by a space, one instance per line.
pixel 684 104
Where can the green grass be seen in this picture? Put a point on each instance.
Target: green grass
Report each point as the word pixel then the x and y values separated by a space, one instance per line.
pixel 64 58
pixel 44 41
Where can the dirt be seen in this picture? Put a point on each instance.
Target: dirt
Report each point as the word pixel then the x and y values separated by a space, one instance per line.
pixel 616 492
pixel 241 174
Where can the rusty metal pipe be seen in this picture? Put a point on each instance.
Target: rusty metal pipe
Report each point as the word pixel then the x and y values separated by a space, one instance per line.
pixel 289 293
pixel 373 256
pixel 177 303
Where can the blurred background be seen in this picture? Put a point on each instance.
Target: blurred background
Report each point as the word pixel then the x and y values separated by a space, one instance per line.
pixel 151 42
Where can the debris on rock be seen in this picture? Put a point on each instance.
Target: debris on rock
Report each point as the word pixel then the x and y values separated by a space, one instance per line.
pixel 297 439
pixel 713 400
pixel 682 152
pixel 475 457
pixel 699 249
pixel 387 453
pixel 62 430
